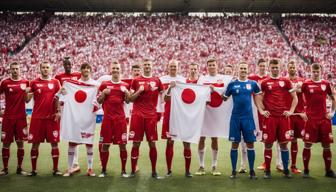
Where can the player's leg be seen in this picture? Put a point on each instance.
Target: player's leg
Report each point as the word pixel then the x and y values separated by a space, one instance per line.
pixel 104 155
pixel 269 137
pixel 20 156
pixel 214 147
pixel 55 158
pixel 123 159
pixel 150 126
pixel 285 158
pixel 169 156
pixel 75 165
pixel 5 158
pixel 268 159
pixel 234 158
pixel 306 153
pixel 327 156
pixel 89 153
pixel 187 159
pixel 297 124
pixel 71 155
pixel 134 157
pixel 153 157
pixel 243 151
pixel 201 153
pixel 279 164
pixel 137 130
pixel 21 135
pixel 248 132
pixel 251 159
pixel 294 151
pixel 34 153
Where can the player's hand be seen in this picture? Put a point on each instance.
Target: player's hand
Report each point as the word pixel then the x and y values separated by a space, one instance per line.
pixel 303 116
pixel 106 91
pixel 287 113
pixel 27 89
pixel 212 88
pixel 172 84
pixel 330 115
pixel 63 91
pixel 57 116
pixel 265 113
pixel 141 88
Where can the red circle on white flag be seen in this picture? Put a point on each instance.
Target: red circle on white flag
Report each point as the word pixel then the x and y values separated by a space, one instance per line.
pixel 216 99
pixel 188 96
pixel 80 96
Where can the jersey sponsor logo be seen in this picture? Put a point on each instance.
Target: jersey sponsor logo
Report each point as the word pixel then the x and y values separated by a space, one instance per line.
pixel 131 134
pixel 110 87
pixel 269 83
pixel 39 85
pixel 269 87
pixel 323 87
pixel 236 86
pixel 74 78
pixel 50 85
pixel 281 83
pixel 10 90
pixel 311 90
pixel 248 86
pixel 23 86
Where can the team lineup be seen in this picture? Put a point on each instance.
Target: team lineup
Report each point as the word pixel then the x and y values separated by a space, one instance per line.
pixel 265 107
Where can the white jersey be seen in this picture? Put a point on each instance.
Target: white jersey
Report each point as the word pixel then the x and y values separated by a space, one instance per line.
pixel 217 114
pixel 165 80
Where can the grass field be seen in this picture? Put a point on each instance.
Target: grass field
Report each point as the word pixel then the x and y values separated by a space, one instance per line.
pixel 143 182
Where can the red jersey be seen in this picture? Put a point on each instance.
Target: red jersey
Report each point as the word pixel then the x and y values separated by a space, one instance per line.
pixel 275 93
pixel 146 102
pixel 257 78
pixel 64 76
pixel 15 93
pixel 113 104
pixel 44 97
pixel 316 96
pixel 300 107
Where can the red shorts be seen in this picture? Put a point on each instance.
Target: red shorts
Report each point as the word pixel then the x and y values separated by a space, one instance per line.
pixel 297 125
pixel 114 131
pixel 44 129
pixel 261 120
pixel 277 128
pixel 140 126
pixel 318 131
pixel 165 126
pixel 14 128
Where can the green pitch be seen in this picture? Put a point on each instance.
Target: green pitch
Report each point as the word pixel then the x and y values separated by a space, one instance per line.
pixel 45 182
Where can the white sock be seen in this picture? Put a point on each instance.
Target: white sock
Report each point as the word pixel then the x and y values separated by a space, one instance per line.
pixel 71 152
pixel 278 158
pixel 243 155
pixel 214 158
pixel 75 159
pixel 201 157
pixel 89 151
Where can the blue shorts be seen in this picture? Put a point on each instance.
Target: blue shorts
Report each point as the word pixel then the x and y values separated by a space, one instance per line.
pixel 239 127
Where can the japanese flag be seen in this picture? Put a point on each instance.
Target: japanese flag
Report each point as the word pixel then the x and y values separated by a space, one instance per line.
pixel 188 102
pixel 78 119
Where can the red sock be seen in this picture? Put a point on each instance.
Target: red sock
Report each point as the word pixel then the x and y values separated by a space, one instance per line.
pixel 187 158
pixel 34 155
pixel 134 158
pixel 327 159
pixel 55 157
pixel 268 158
pixel 5 157
pixel 294 151
pixel 104 156
pixel 306 158
pixel 123 158
pixel 169 155
pixel 153 158
pixel 20 155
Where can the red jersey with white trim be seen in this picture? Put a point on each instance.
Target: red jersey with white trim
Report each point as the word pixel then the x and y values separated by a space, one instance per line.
pixel 275 93
pixel 15 93
pixel 300 107
pixel 316 96
pixel 165 80
pixel 257 78
pixel 113 104
pixel 44 92
pixel 64 76
pixel 146 102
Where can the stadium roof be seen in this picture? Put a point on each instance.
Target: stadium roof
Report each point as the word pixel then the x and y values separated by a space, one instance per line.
pixel 279 6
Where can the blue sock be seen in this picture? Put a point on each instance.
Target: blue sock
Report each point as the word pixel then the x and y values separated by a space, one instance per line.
pixel 251 158
pixel 285 158
pixel 234 158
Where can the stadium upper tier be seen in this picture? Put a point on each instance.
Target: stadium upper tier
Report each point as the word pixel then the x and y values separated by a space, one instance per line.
pixel 100 39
